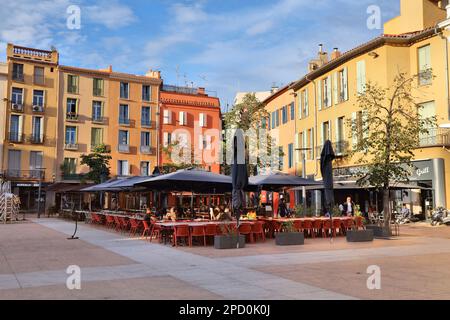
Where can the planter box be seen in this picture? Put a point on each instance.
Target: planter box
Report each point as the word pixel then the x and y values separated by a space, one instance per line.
pixel 379 232
pixel 289 238
pixel 229 242
pixel 359 235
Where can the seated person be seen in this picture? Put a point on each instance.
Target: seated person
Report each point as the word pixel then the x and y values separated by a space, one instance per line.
pixel 160 214
pixel 172 215
pixel 149 217
pixel 225 215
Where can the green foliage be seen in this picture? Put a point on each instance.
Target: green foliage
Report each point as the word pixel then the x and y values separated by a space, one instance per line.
pixel 387 132
pixel 98 163
pixel 288 226
pixel 336 212
pixel 169 167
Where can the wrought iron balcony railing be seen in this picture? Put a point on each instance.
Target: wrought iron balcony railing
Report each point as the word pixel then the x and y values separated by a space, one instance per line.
pixel 36 174
pixel 124 148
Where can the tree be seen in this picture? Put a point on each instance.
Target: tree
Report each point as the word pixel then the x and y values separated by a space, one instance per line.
pixel 98 163
pixel 169 167
pixel 386 133
pixel 248 116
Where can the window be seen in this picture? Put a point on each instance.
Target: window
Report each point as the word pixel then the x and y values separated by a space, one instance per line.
pixel 327 102
pixel 425 75
pixel 39 75
pixel 167 117
pixel 37 135
pixel 167 139
pixel 273 120
pixel 96 137
pixel 17 96
pixel 357 133
pixel 122 168
pixel 36 164
pixel 71 112
pixel 264 123
pixel 277 116
pixel 70 166
pixel 97 87
pixel 124 90
pixel 361 76
pixel 17 72
pixel 38 98
pixel 146 93
pixel 15 128
pixel 182 118
pixel 123 137
pixel 145 139
pixel 325 132
pixel 428 111
pixel 340 135
pixel 14 163
pixel 291 155
pixel 146 116
pixel 292 111
pixel 343 85
pixel 72 84
pixel 284 114
pixel 123 114
pixel 311 144
pixel 145 168
pixel 97 111
pixel 203 119
pixel 305 103
pixel 71 135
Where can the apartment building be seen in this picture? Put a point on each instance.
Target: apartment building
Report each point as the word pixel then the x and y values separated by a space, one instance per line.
pixel 191 120
pixel 3 106
pixel 29 149
pixel 415 43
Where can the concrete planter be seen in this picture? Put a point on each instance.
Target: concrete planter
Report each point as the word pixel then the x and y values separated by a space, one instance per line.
pixel 289 238
pixel 359 235
pixel 229 241
pixel 379 232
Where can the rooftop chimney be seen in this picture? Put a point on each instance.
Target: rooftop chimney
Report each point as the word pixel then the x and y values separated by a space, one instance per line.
pixel 336 54
pixel 201 91
pixel 153 74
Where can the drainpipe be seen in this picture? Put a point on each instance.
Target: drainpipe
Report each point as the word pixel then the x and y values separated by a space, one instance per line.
pixel 315 125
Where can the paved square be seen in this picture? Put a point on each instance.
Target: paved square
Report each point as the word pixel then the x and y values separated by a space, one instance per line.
pixel 34 257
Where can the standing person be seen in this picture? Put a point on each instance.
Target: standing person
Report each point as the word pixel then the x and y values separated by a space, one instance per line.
pixel 282 209
pixel 348 208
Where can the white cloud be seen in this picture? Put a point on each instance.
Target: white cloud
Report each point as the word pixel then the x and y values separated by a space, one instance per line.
pixel 110 14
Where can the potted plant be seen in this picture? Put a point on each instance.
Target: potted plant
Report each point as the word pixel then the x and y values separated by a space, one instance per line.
pixel 290 236
pixel 355 235
pixel 229 239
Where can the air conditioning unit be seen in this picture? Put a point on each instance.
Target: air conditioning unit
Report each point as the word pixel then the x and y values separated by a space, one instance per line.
pixel 37 108
pixel 17 107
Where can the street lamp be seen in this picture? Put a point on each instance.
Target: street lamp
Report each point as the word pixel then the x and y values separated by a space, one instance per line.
pixel 303 151
pixel 40 171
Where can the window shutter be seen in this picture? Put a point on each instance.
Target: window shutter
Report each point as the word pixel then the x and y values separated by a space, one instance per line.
pixel 165 138
pixel 205 120
pixel 322 134
pixel 336 130
pixel 319 94
pixel 361 76
pixel 306 102
pixel 41 128
pixel 200 142
pixel 208 142
pixel 329 92
pixel 354 132
pixel 300 105
pixel 335 88
pixel 345 74
pixel 20 126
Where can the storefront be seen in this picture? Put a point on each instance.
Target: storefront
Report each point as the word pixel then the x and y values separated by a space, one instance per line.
pixel 28 193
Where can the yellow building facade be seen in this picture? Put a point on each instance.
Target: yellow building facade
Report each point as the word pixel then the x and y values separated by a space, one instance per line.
pixel 414 43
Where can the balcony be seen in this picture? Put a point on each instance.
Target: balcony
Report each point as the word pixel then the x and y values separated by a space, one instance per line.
pixel 146 123
pixel 127 122
pixel 435 138
pixel 18 76
pixel 340 148
pixel 72 176
pixel 35 139
pixel 147 150
pixel 38 109
pixel 36 174
pixel 39 80
pixel 71 146
pixel 98 120
pixel 72 117
pixel 72 89
pixel 124 148
pixel 15 137
pixel 97 92
pixel 16 107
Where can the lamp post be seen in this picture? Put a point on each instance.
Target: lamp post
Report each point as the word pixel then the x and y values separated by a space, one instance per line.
pixel 303 151
pixel 40 172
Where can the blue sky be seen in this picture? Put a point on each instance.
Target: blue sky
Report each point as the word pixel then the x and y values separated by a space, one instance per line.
pixel 226 46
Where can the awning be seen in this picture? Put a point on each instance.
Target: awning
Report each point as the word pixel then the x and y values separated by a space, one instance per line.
pixel 280 180
pixel 62 187
pixel 351 185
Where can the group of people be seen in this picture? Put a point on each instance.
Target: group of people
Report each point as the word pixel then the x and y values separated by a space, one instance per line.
pixel 218 214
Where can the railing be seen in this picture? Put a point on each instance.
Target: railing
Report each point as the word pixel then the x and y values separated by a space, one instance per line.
pixel 97 119
pixel 16 107
pixel 435 138
pixel 38 108
pixel 72 176
pixel 146 150
pixel 124 148
pixel 146 97
pixel 36 174
pixel 425 77
pixel 98 92
pixel 126 122
pixel 17 76
pixel 32 52
pixel 340 148
pixel 70 116
pixel 146 123
pixel 39 80
pixel 72 89
pixel 71 146
pixel 35 139
pixel 15 137
pixel 177 89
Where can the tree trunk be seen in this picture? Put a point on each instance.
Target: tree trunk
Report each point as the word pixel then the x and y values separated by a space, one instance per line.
pixel 386 208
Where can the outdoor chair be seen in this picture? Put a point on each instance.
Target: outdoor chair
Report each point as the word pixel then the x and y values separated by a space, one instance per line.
pixel 359 223
pixel 109 222
pixel 181 232
pixel 211 230
pixel 146 231
pixel 134 226
pixel 117 223
pixel 197 231
pixel 298 225
pixel 246 229
pixel 337 226
pixel 327 228
pixel 258 230
pixel 317 227
pixel 124 224
pixel 88 217
pixel 155 232
pixel 308 227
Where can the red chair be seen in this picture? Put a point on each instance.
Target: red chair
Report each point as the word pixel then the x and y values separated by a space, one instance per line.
pixel 337 226
pixel 109 222
pixel 298 225
pixel 347 224
pixel 155 232
pixel 258 230
pixel 180 232
pixel 125 223
pixel 308 227
pixel 317 227
pixel 146 231
pixel 197 231
pixel 134 226
pixel 246 229
pixel 359 222
pixel 211 230
pixel 327 228
pixel 117 223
